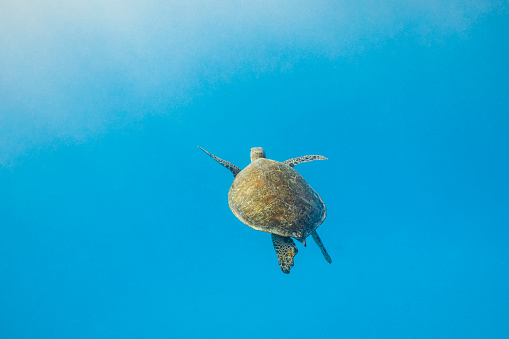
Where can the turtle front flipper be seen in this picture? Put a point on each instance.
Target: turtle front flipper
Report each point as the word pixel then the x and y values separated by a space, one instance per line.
pixel 285 250
pixel 295 161
pixel 234 169
pixel 319 242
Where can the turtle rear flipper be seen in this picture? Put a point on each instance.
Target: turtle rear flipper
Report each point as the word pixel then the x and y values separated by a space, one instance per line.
pixel 319 242
pixel 305 158
pixel 234 169
pixel 285 250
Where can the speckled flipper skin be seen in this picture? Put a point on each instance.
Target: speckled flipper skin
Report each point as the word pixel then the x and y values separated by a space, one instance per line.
pixel 295 161
pixel 318 241
pixel 285 250
pixel 234 169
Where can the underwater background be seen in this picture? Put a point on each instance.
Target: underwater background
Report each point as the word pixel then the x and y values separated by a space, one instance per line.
pixel 113 224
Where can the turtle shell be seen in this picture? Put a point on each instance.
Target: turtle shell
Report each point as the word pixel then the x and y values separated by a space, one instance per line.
pixel 272 197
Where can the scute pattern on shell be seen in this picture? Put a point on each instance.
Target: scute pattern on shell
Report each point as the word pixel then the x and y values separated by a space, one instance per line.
pixel 272 197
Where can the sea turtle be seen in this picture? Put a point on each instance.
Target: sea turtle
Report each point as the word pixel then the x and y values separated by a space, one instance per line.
pixel 270 196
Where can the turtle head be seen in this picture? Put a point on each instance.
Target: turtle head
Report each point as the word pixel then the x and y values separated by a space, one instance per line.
pixel 257 153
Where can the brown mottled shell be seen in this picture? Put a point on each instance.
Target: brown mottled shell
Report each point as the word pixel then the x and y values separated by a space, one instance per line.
pixel 272 197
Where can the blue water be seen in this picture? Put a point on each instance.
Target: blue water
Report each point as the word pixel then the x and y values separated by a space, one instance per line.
pixel 113 224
